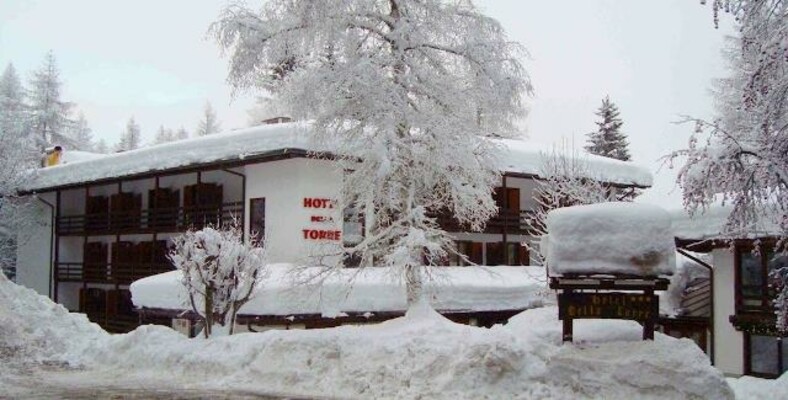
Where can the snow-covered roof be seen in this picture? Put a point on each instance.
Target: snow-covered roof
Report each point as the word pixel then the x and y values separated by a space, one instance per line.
pixel 458 289
pixel 519 157
pixel 75 156
pixel 709 224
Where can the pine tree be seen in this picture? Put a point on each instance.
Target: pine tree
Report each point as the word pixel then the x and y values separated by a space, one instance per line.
pixel 608 140
pixel 48 113
pixel 131 138
pixel 12 101
pixel 164 135
pixel 101 147
pixel 181 134
pixel 209 124
pixel 81 135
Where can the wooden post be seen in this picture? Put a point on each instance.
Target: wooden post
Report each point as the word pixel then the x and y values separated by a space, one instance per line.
pixel 648 325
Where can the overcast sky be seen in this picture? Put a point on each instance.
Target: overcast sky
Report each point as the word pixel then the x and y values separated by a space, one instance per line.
pixel 152 59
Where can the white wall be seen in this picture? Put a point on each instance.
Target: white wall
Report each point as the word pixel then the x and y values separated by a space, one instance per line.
pixel 33 248
pixel 728 342
pixel 284 185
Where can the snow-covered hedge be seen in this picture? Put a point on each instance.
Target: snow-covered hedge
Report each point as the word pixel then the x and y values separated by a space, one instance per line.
pixel 610 238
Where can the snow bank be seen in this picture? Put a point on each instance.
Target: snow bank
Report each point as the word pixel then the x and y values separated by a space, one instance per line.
pixel 372 290
pixel 752 388
pixel 35 329
pixel 419 356
pixel 610 238
pixel 518 156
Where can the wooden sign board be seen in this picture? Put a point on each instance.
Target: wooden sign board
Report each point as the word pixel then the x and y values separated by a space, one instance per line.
pixel 631 306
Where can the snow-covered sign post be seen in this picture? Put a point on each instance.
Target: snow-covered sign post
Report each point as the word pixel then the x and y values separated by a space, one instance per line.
pixel 220 271
pixel 403 92
pixel 624 249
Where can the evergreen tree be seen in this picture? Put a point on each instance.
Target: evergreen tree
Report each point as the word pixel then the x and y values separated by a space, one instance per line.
pixel 12 101
pixel 131 138
pixel 164 135
pixel 608 140
pixel 48 113
pixel 209 124
pixel 101 147
pixel 182 134
pixel 81 135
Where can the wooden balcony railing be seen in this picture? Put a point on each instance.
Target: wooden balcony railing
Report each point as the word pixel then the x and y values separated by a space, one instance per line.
pixel 148 221
pixel 509 221
pixel 108 273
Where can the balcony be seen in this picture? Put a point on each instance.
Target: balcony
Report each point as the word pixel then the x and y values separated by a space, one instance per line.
pixel 122 274
pixel 513 222
pixel 155 220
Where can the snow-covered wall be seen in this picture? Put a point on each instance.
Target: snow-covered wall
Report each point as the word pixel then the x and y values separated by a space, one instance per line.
pixel 728 342
pixel 286 186
pixel 33 248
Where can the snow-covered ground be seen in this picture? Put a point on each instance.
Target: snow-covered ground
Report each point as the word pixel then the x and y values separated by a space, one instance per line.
pixel 421 355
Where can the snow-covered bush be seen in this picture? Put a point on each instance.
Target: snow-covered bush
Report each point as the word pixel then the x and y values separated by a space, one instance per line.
pixel 220 271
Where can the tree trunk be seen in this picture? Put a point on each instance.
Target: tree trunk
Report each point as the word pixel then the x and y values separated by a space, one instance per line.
pixel 414 284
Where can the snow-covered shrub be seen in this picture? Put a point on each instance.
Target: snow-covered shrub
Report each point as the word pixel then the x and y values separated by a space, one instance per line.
pixel 220 271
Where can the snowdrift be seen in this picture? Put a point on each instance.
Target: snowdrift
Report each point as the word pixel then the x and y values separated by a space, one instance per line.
pixel 419 356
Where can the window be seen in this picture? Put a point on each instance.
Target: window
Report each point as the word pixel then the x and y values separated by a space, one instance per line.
pixel 766 355
pixel 754 285
pixel 471 250
pixel 257 218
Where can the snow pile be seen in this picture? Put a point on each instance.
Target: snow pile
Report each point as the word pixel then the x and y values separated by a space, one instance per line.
pixel 35 329
pixel 372 290
pixel 419 356
pixel 752 388
pixel 610 238
pixel 518 156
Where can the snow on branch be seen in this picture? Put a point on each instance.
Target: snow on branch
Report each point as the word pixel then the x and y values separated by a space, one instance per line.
pixel 220 271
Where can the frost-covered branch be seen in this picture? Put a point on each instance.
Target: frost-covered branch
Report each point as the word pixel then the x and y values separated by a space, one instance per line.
pixel 219 271
pixel 404 92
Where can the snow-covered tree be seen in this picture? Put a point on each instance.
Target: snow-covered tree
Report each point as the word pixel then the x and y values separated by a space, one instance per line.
pixel 220 272
pixel 209 124
pixel 81 135
pixel 17 153
pixel 739 158
pixel 131 138
pixel 12 101
pixel 608 140
pixel 101 146
pixel 181 134
pixel 564 183
pixel 164 135
pixel 49 114
pixel 265 108
pixel 403 91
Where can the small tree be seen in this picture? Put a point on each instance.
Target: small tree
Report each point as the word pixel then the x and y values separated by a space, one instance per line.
pixel 131 138
pixel 181 134
pixel 164 135
pixel 220 272
pixel 209 124
pixel 608 140
pixel 81 135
